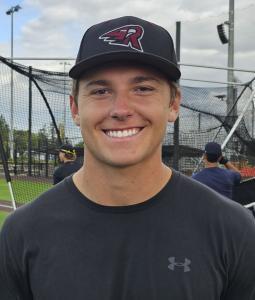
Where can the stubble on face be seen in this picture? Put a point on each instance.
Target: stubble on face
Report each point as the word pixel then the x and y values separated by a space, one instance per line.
pixel 151 116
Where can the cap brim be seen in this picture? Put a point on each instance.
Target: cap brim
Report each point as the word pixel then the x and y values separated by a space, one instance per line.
pixel 169 69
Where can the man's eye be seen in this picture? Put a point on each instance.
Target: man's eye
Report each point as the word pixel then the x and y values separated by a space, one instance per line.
pixel 100 92
pixel 144 89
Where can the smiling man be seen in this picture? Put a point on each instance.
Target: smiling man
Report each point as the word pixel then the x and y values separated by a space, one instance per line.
pixel 126 226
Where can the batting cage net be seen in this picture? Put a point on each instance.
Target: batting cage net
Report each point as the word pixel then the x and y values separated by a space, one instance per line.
pixel 35 119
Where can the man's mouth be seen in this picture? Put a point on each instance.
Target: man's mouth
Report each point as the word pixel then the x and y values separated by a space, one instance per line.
pixel 122 133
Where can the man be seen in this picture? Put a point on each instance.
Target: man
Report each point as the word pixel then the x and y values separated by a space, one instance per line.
pixel 125 226
pixel 70 165
pixel 219 179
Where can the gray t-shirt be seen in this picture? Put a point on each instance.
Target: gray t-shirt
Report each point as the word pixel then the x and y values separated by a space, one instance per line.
pixel 186 243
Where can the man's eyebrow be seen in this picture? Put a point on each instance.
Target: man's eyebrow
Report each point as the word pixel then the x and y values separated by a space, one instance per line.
pixel 140 79
pixel 136 79
pixel 101 82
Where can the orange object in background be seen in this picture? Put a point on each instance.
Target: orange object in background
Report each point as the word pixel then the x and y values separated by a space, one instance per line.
pixel 248 172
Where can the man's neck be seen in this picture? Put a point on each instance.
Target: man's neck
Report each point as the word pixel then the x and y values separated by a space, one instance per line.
pixel 211 165
pixel 121 186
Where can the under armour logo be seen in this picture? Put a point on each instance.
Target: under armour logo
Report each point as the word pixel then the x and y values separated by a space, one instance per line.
pixel 173 263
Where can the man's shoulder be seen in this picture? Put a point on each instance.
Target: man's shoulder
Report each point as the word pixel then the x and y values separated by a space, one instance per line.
pixel 75 165
pixel 59 169
pixel 233 173
pixel 200 173
pixel 209 170
pixel 233 176
pixel 215 171
pixel 202 198
pixel 206 206
pixel 68 167
pixel 195 190
pixel 28 214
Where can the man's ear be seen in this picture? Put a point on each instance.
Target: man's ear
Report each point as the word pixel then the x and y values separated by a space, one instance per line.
pixel 174 106
pixel 75 111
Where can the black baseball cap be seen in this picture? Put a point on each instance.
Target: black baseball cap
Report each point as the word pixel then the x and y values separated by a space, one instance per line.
pixel 213 148
pixel 67 148
pixel 127 39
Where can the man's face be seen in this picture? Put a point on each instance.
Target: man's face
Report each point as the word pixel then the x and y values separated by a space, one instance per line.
pixel 123 112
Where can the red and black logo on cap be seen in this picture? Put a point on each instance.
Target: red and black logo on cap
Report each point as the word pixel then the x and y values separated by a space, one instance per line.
pixel 126 36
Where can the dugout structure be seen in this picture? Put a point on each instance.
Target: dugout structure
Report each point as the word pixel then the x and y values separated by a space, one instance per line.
pixel 42 121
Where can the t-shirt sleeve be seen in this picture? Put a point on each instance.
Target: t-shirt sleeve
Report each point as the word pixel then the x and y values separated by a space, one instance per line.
pixel 241 281
pixel 13 285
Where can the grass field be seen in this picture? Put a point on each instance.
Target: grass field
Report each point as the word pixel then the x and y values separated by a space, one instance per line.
pixel 24 190
pixel 4 191
pixel 4 195
pixel 3 215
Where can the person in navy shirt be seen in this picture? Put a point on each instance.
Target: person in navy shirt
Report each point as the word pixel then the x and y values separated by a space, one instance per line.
pixel 219 179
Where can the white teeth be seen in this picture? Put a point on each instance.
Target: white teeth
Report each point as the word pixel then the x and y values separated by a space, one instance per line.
pixel 122 133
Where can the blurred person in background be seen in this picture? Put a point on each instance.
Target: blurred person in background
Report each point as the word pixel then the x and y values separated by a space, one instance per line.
pixel 222 180
pixel 69 163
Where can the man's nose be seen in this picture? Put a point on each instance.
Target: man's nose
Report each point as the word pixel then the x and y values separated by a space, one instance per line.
pixel 121 107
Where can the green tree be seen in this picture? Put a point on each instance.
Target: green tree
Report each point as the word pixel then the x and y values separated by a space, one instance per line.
pixel 61 128
pixel 20 141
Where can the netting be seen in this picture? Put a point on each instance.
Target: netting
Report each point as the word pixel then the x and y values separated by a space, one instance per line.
pixel 204 118
pixel 39 120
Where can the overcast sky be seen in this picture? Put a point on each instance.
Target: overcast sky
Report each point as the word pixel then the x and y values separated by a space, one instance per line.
pixel 54 28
